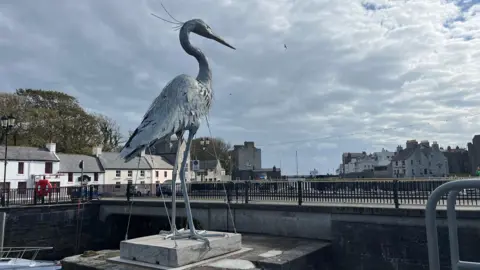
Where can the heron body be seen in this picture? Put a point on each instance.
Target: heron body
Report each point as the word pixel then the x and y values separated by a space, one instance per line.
pixel 179 108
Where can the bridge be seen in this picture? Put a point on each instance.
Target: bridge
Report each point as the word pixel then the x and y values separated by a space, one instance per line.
pixel 366 231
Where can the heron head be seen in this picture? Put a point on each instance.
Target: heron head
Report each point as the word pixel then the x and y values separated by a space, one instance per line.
pixel 200 28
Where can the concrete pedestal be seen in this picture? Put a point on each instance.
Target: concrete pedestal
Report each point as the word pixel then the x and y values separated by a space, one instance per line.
pixel 157 250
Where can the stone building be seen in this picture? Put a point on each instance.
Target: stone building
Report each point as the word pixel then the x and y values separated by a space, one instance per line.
pixel 419 160
pixel 474 154
pixel 458 160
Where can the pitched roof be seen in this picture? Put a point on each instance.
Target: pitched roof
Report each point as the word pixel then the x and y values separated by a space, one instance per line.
pixel 158 162
pixel 403 154
pixel 113 161
pixel 27 153
pixel 208 164
pixel 70 163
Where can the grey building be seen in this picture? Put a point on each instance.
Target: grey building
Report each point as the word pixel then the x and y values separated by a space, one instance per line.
pixel 474 154
pixel 246 157
pixel 419 160
pixel 458 160
pixel 210 171
pixel 92 169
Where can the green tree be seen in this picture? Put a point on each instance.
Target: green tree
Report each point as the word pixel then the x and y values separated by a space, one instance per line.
pixel 109 132
pixel 217 148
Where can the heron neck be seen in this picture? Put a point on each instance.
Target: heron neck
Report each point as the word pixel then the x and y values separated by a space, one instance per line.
pixel 204 72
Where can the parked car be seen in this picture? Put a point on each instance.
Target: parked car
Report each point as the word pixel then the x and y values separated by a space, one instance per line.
pixel 165 188
pixel 142 190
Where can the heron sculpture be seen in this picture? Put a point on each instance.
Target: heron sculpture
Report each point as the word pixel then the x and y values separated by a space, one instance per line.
pixel 179 108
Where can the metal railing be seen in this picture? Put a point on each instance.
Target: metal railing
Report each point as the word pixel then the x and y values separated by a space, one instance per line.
pixel 393 192
pixel 20 252
pixel 453 189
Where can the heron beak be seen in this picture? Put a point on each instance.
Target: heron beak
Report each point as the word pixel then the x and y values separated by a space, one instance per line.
pixel 221 41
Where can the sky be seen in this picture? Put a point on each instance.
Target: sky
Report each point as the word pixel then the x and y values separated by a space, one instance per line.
pixel 355 76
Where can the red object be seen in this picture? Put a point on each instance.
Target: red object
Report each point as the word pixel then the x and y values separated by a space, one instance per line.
pixel 43 187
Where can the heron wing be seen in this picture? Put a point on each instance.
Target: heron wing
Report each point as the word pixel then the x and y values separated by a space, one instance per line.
pixel 168 113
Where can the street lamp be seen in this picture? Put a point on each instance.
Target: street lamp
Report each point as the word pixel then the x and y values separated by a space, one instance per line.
pixel 204 142
pixel 7 123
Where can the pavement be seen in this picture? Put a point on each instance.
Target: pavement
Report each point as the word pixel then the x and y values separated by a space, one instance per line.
pixel 337 203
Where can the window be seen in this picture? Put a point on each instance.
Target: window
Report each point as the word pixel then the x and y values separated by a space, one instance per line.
pixel 56 186
pixel 165 174
pixel 396 163
pixel 48 167
pixel 413 171
pixel 419 161
pixel 156 174
pixel 411 162
pixel 425 171
pixel 129 174
pixel 130 181
pixel 20 167
pixel 429 163
pixel 142 173
pixel 117 184
pixel 403 162
pixel 214 179
pixel 117 174
pixel 95 177
pixel 70 177
pixel 142 182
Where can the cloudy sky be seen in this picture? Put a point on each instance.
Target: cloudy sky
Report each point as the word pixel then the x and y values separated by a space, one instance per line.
pixel 356 75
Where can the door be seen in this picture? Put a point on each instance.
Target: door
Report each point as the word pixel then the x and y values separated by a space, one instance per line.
pixel 22 187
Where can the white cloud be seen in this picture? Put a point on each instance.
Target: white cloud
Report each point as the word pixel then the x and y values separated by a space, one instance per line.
pixel 348 69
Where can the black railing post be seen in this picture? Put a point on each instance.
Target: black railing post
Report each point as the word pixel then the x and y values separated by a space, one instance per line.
pixel 8 197
pixel 229 192
pixel 395 193
pixel 247 188
pixel 34 196
pixel 300 192
pixel 43 199
pixel 90 193
pixel 236 191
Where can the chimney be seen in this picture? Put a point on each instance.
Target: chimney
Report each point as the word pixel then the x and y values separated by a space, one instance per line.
pixel 249 144
pixel 97 151
pixel 142 153
pixel 435 145
pixel 399 148
pixel 52 147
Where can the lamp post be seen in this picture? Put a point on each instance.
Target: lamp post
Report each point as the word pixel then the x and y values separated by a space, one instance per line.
pixel 7 123
pixel 204 142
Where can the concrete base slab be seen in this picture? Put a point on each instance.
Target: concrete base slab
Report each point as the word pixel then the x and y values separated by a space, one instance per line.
pixel 156 250
pixel 129 264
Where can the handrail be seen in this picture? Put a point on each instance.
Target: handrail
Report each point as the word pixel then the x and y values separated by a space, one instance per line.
pixel 20 252
pixel 453 188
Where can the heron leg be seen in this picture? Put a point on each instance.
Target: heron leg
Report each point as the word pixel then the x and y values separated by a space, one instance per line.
pixel 193 233
pixel 173 226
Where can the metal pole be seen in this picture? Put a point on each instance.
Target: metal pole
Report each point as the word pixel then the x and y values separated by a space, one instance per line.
pixel 296 161
pixel 3 221
pixel 4 193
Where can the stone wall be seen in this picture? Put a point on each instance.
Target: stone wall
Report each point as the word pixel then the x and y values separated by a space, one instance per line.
pixel 395 243
pixel 363 237
pixel 56 226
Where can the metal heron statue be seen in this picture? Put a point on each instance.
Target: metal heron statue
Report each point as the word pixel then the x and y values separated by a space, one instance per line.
pixel 179 108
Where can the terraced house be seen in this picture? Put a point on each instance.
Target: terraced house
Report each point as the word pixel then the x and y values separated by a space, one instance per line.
pixel 27 164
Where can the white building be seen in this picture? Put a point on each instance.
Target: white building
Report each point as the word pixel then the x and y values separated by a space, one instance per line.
pixel 419 160
pixel 209 171
pixel 25 164
pixel 360 162
pixel 118 172
pixel 161 168
pixel 71 173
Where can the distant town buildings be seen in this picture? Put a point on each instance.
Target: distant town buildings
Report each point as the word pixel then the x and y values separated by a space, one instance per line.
pixel 247 163
pixel 415 160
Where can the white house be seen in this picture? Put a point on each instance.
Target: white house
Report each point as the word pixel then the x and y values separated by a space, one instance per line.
pixel 161 168
pixel 71 173
pixel 27 164
pixel 419 160
pixel 209 171
pixel 118 172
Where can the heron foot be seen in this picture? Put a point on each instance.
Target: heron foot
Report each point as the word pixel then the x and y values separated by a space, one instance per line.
pixel 172 233
pixel 197 236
